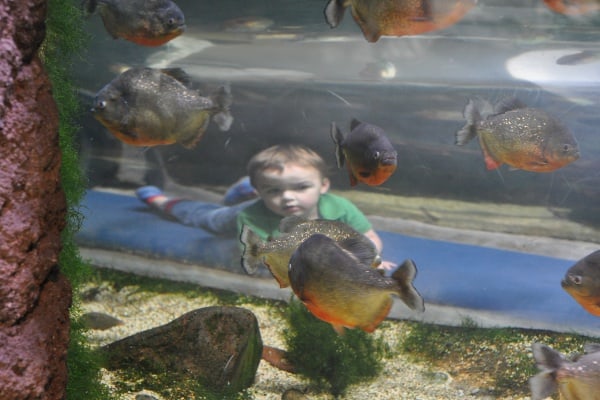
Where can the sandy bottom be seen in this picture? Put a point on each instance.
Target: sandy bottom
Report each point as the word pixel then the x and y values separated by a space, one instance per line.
pixel 402 378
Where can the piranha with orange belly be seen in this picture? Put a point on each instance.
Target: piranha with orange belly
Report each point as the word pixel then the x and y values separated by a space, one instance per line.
pixel 367 152
pixel 378 18
pixel 338 288
pixel 149 107
pixel 522 137
pixel 582 282
pixel 144 22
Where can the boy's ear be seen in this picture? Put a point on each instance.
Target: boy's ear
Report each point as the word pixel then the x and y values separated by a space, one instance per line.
pixel 325 183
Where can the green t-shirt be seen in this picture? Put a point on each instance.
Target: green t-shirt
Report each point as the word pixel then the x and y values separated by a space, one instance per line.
pixel 331 207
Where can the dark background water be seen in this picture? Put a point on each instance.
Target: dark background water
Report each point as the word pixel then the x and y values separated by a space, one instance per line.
pixel 292 79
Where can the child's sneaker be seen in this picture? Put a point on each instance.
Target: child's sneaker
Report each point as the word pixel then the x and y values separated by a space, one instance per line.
pixel 239 192
pixel 152 196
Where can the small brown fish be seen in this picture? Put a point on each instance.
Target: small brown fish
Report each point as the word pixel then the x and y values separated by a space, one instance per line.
pixel 512 133
pixel 367 152
pixel 573 7
pixel 275 254
pixel 338 288
pixel 149 107
pixel 575 380
pixel 378 18
pixel 144 22
pixel 582 281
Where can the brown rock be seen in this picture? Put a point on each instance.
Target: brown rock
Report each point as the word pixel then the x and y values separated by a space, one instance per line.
pixel 219 346
pixel 34 297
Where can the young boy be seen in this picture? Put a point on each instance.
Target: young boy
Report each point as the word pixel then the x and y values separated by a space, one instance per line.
pixel 289 180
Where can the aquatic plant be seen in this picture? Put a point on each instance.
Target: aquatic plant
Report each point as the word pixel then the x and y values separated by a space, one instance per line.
pixel 325 357
pixel 64 41
pixel 496 359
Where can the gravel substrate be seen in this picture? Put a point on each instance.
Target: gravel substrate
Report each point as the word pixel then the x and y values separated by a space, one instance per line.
pixel 401 378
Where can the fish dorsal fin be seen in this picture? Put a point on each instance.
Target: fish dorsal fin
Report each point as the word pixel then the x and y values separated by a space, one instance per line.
pixel 179 75
pixel 361 248
pixel 354 123
pixel 338 138
pixel 287 224
pixel 508 104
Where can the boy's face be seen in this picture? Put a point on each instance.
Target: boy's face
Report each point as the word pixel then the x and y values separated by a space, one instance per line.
pixel 293 191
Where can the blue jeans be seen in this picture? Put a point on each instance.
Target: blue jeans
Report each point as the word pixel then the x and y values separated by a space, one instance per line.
pixel 215 218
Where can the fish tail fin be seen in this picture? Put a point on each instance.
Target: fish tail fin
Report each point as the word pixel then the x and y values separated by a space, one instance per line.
pixel 334 12
pixel 548 360
pixel 338 137
pixel 89 6
pixel 251 259
pixel 223 99
pixel 473 115
pixel 404 275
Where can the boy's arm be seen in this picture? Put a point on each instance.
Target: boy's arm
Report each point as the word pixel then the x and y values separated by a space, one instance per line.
pixel 374 237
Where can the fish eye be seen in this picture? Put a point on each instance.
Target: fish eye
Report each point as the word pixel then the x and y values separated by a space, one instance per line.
pixel 566 148
pixel 576 279
pixel 376 155
pixel 101 105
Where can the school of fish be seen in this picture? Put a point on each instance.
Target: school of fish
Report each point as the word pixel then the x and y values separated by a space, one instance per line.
pixel 330 266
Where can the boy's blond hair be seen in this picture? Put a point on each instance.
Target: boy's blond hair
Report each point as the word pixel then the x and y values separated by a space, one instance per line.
pixel 276 157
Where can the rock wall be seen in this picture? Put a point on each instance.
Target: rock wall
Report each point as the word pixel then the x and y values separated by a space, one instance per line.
pixel 34 296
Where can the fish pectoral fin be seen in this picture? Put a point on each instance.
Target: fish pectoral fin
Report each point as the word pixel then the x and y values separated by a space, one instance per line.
pixel 193 141
pixel 368 25
pixel 339 329
pixel 334 12
pixel 371 32
pixel 490 162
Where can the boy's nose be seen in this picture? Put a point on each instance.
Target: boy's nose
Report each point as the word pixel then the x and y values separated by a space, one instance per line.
pixel 287 194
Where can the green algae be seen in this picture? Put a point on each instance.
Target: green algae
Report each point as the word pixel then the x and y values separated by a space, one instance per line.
pixel 331 361
pixel 64 42
pixel 496 359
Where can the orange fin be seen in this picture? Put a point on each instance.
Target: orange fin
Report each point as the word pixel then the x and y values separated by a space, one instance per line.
pixel 490 163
